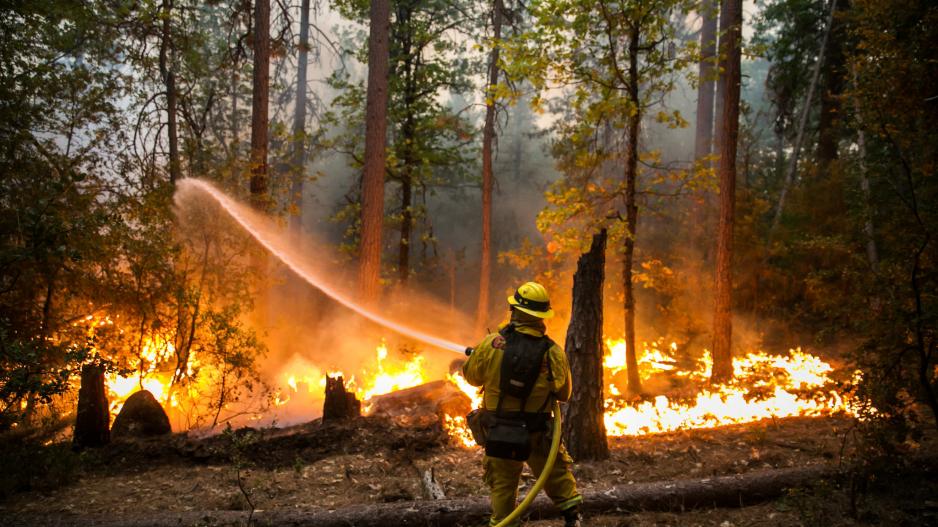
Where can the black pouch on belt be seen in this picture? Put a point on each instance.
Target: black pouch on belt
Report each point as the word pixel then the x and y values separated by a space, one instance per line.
pixel 509 439
pixel 479 422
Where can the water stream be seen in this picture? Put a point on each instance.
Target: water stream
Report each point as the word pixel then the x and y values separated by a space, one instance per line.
pixel 276 245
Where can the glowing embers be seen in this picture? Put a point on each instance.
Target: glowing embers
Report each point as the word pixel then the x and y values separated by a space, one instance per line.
pixel 764 386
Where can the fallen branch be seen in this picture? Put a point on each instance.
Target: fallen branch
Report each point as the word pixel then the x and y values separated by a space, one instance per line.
pixel 432 486
pixel 677 495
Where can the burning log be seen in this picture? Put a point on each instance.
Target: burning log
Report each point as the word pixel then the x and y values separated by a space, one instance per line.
pixel 339 403
pixel 435 398
pixel 93 419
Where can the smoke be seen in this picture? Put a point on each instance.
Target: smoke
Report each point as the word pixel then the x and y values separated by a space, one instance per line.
pixel 307 313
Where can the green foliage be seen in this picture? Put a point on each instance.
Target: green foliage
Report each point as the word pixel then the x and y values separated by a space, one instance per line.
pixel 789 32
pixel 93 263
pixel 430 140
pixel 583 47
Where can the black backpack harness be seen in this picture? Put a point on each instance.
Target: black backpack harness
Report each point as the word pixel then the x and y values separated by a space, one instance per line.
pixel 508 435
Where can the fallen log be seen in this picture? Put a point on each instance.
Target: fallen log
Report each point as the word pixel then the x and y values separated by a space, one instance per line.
pixel 678 495
pixel 432 398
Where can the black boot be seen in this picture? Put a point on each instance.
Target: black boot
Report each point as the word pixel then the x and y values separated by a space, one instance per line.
pixel 572 517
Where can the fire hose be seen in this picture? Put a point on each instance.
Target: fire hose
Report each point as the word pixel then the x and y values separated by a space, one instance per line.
pixel 545 473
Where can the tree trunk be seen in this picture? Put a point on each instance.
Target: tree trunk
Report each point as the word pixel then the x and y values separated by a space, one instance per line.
pixel 584 430
pixel 169 84
pixel 299 123
pixel 802 125
pixel 731 19
pixel 376 118
pixel 872 254
pixel 631 215
pixel 93 418
pixel 259 105
pixel 832 85
pixel 703 138
pixel 407 220
pixel 488 138
pixel 339 404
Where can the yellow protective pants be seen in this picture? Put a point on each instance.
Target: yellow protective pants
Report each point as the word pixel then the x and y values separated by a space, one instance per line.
pixel 503 475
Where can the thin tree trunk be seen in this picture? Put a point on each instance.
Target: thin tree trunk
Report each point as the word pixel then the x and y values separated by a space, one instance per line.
pixel 259 105
pixel 376 116
pixel 731 19
pixel 631 215
pixel 584 430
pixel 872 254
pixel 802 124
pixel 488 138
pixel 299 123
pixel 403 261
pixel 703 138
pixel 832 84
pixel 169 84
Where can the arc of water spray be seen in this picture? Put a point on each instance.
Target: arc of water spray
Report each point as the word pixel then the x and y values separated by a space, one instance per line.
pixel 230 207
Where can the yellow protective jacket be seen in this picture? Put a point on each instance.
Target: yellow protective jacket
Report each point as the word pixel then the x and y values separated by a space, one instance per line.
pixel 484 369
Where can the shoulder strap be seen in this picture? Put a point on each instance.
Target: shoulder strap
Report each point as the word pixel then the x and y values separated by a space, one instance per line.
pixel 543 347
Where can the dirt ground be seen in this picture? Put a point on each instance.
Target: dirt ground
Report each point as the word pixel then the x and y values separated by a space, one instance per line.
pixel 370 460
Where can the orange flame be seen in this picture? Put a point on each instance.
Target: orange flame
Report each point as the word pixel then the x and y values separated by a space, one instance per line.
pixel 764 386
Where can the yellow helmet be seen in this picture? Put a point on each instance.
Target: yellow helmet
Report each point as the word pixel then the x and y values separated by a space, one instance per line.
pixel 532 298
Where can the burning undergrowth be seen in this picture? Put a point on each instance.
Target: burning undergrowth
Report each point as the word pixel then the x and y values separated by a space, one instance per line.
pixel 334 341
pixel 764 386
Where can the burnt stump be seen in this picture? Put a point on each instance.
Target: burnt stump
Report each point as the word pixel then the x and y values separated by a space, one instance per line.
pixel 141 416
pixel 339 403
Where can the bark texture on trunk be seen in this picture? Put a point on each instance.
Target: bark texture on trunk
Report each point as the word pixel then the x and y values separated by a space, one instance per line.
pixel 92 421
pixel 488 139
pixel 675 496
pixel 259 105
pixel 631 214
pixel 299 123
pixel 584 430
pixel 376 118
pixel 703 137
pixel 731 18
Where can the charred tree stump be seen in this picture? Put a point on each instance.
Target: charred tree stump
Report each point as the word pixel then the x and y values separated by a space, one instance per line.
pixel 583 427
pixel 92 423
pixel 339 403
pixel 141 416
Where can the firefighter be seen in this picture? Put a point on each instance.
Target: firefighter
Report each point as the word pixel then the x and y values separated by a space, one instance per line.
pixel 530 305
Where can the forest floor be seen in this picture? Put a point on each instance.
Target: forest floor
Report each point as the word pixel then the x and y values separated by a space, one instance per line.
pixel 328 466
